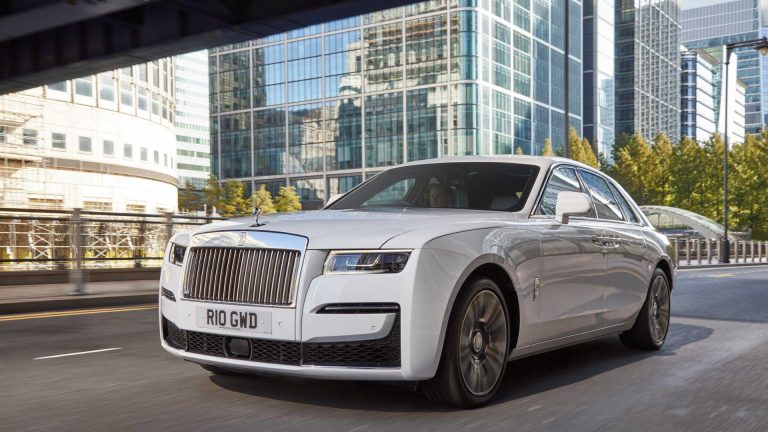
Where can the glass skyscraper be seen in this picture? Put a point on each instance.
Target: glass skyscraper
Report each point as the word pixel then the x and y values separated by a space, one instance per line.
pixel 599 75
pixel 647 67
pixel 193 156
pixel 697 102
pixel 324 107
pixel 710 24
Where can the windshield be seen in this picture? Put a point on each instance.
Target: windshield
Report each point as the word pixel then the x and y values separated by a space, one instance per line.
pixel 459 185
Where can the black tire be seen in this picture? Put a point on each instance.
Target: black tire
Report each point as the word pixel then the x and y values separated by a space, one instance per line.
pixel 652 323
pixel 463 335
pixel 216 370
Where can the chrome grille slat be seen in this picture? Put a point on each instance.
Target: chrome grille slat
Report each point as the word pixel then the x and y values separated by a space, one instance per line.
pixel 242 275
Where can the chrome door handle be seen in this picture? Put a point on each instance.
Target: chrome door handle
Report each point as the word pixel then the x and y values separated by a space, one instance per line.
pixel 599 240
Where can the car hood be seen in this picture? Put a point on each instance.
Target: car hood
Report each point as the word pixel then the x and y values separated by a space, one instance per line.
pixel 363 229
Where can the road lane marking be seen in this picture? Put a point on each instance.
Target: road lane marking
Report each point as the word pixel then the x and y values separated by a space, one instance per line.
pixel 74 312
pixel 77 353
pixel 721 275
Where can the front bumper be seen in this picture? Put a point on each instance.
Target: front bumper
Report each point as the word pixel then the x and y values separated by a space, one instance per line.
pixel 321 359
pixel 394 346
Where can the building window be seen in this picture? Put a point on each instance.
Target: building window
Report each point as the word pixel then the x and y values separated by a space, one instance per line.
pixel 157 157
pixel 29 137
pixel 126 93
pixel 58 141
pixel 84 144
pixel 135 208
pixel 97 205
pixel 143 154
pixel 84 86
pixel 107 87
pixel 165 159
pixel 128 151
pixel 2 134
pixel 142 102
pixel 109 147
pixel 60 86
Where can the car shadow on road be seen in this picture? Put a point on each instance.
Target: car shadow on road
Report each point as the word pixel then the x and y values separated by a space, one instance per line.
pixel 524 377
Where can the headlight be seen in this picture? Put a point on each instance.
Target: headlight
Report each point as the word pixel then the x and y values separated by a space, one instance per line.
pixel 366 262
pixel 177 254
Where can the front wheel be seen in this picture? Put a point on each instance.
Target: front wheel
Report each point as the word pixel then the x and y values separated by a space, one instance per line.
pixel 652 323
pixel 475 351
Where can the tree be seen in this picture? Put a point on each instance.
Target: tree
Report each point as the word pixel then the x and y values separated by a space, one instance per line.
pixel 688 159
pixel 748 165
pixel 234 202
pixel 664 182
pixel 636 169
pixel 262 199
pixel 287 200
pixel 213 194
pixel 547 151
pixel 189 198
pixel 519 151
pixel 580 150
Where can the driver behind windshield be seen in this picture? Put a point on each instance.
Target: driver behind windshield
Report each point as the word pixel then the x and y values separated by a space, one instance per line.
pixel 440 196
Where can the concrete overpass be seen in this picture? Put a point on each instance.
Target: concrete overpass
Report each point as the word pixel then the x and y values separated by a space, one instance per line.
pixel 43 41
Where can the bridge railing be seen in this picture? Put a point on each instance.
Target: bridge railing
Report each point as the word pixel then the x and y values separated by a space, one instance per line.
pixel 692 252
pixel 42 239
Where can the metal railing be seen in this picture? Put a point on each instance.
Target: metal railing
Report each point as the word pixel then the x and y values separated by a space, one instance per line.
pixel 708 251
pixel 32 239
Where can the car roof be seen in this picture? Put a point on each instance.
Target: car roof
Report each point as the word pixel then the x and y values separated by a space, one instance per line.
pixel 543 162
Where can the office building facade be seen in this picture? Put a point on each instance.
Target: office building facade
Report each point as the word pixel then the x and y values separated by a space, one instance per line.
pixel 647 67
pixel 697 98
pixel 324 107
pixel 710 24
pixel 193 152
pixel 599 75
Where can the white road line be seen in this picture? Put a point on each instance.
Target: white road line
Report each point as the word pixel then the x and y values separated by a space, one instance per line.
pixel 77 353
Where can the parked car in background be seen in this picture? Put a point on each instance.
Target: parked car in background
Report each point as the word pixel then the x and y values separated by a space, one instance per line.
pixel 438 272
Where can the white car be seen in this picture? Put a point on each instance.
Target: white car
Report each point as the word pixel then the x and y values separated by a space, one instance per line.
pixel 438 272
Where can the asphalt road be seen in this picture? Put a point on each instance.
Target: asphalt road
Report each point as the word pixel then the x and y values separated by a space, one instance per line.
pixel 712 375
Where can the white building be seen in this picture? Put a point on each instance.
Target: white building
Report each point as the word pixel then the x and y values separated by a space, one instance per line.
pixel 103 142
pixel 735 103
pixel 697 94
pixel 193 160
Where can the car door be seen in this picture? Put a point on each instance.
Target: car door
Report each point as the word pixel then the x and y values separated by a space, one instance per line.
pixel 573 265
pixel 626 268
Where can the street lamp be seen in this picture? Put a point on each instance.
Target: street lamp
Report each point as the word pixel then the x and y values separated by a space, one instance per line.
pixel 761 46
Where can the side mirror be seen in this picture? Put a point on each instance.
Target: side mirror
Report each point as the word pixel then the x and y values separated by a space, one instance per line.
pixel 333 198
pixel 571 204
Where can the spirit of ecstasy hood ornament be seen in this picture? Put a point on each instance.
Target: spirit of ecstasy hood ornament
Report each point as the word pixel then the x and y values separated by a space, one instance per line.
pixel 256 213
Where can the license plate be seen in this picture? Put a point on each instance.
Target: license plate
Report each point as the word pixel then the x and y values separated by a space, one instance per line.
pixel 233 319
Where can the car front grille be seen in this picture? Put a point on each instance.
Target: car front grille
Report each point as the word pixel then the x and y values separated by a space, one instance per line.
pixel 241 275
pixel 384 352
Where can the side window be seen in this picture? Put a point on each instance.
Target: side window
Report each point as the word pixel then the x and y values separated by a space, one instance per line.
pixel 602 197
pixel 625 207
pixel 562 180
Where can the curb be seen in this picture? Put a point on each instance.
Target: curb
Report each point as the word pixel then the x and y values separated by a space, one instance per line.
pixel 681 267
pixel 76 302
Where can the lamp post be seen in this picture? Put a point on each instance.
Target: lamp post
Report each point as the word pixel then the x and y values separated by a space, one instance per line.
pixel 761 46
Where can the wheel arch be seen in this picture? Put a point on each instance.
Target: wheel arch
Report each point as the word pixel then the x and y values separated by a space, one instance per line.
pixel 664 265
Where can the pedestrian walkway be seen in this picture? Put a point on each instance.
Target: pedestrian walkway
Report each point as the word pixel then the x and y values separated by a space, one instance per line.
pixel 49 297
pixel 715 263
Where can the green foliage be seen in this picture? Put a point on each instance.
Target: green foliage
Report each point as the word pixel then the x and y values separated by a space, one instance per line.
pixel 519 151
pixel 580 150
pixel 189 198
pixel 287 200
pixel 637 170
pixel 262 199
pixel 748 177
pixel 213 194
pixel 547 151
pixel 234 202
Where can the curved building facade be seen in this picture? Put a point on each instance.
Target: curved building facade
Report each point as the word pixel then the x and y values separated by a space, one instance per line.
pixel 103 142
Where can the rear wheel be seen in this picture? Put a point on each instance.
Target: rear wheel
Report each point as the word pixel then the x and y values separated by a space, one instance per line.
pixel 475 351
pixel 652 324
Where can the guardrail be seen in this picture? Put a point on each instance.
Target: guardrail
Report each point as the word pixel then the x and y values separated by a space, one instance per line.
pixel 692 252
pixel 32 239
